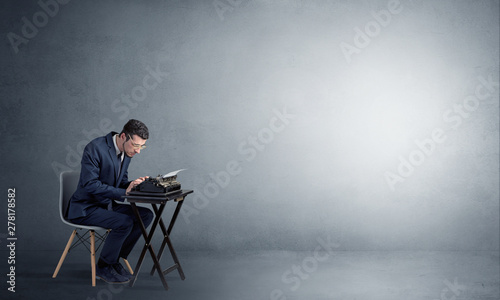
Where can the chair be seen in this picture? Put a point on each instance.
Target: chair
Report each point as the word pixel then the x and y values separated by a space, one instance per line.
pixel 68 183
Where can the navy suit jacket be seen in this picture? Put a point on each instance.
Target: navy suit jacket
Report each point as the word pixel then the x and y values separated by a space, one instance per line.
pixel 99 182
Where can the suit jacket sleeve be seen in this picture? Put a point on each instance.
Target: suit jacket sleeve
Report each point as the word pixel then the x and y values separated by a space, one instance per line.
pixel 125 182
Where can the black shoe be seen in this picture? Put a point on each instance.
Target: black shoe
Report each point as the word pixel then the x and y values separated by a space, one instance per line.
pixel 121 270
pixel 110 275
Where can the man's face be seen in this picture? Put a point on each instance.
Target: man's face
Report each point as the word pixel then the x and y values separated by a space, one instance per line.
pixel 133 145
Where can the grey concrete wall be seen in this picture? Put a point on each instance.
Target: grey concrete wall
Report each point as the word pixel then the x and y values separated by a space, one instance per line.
pixel 370 123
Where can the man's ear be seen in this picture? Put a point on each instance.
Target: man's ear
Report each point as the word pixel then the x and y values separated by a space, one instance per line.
pixel 123 136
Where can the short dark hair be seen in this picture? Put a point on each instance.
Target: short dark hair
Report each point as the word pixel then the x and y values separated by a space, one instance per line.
pixel 135 127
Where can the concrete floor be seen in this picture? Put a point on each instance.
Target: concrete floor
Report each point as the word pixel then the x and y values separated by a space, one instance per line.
pixel 272 275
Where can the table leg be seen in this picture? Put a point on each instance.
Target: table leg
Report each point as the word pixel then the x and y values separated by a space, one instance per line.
pixel 166 241
pixel 165 234
pixel 147 245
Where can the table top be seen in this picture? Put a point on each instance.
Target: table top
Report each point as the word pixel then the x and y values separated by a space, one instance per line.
pixel 155 197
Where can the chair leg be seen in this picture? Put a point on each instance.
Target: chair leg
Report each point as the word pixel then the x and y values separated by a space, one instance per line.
pixel 128 266
pixel 65 252
pixel 92 255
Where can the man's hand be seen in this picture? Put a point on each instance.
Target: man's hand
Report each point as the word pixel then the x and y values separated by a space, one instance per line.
pixel 135 182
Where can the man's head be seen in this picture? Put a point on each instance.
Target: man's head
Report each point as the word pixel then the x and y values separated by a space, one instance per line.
pixel 133 137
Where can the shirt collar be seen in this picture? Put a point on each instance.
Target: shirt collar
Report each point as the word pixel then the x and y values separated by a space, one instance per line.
pixel 118 152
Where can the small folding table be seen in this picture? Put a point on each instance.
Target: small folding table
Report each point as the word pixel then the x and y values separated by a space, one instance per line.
pixel 158 202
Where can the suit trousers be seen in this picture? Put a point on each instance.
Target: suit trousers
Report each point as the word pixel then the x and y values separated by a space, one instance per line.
pixel 124 225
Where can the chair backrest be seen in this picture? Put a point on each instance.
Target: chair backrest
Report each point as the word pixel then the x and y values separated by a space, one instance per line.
pixel 68 183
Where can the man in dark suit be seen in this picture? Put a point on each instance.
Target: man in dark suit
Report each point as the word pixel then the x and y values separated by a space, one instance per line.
pixel 103 181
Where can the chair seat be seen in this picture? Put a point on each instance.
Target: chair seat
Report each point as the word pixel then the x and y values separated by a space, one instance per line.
pixel 83 226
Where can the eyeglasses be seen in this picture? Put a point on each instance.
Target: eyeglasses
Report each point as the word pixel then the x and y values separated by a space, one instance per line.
pixel 136 146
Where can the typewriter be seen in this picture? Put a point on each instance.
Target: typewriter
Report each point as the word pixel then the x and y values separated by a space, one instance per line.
pixel 161 185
